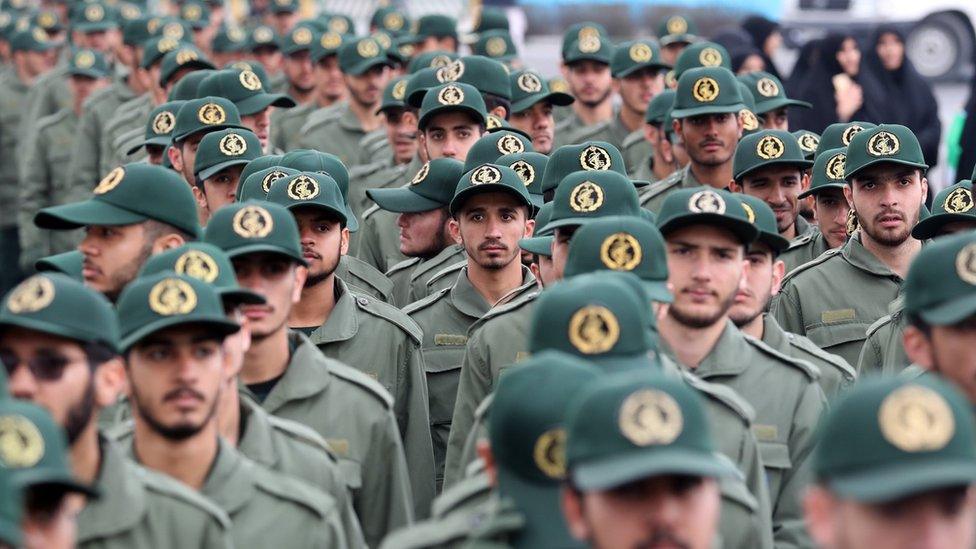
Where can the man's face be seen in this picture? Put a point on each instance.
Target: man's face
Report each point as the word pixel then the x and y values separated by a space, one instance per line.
pixel 887 198
pixel 590 82
pixel 269 57
pixel 103 41
pixel 710 139
pixel 560 250
pixel 324 242
pixel 328 79
pixel 401 133
pixel 298 69
pixel 666 511
pixel 544 271
pixel 759 283
pixel 113 256
pixel 424 234
pixel 83 86
pixel 283 22
pixel 367 89
pixel 779 187
pixel 175 379
pixel 61 380
pixel 260 124
pixel 946 350
pixel 450 135
pixel 537 121
pixel 184 155
pixel 489 226
pixel 832 209
pixel 278 279
pixel 776 120
pixel 220 189
pixel 39 62
pixel 638 88
pixel 705 266
pixel 671 52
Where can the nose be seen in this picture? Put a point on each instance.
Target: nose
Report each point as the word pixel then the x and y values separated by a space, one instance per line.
pixel 22 383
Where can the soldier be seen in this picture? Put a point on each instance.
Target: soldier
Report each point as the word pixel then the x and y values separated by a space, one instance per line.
pixel 291 378
pixel 43 179
pixel 704 117
pixel 657 132
pixel 886 186
pixel 195 119
pixel 172 332
pixel 883 479
pixel 676 33
pixel 759 284
pixel 58 343
pixel 264 46
pixel 707 233
pixel 284 15
pixel 586 66
pixel 217 166
pixel 532 108
pixel 159 132
pixel 435 32
pixel 245 90
pixel 366 70
pixel 771 101
pixel 540 246
pixel 297 62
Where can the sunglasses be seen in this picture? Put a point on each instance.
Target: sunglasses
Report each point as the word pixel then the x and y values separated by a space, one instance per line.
pixel 43 367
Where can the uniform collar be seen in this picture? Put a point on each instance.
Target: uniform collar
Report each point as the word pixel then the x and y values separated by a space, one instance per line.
pixel 307 374
pixel 348 120
pixel 439 261
pixel 343 321
pixel 725 357
pixel 858 256
pixel 256 442
pixel 229 483
pixel 466 298
pixel 122 503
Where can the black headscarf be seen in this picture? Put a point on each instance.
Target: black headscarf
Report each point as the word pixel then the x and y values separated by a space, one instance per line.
pixel 760 28
pixel 906 89
pixel 739 57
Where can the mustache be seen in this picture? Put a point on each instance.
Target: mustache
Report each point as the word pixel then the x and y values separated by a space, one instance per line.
pixel 660 537
pixel 492 244
pixel 710 141
pixel 890 213
pixel 182 392
pixel 311 252
pixel 412 136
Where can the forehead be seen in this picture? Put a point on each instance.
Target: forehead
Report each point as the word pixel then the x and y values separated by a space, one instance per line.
pixel 703 235
pixel 772 172
pixel 450 120
pixel 492 200
pixel 885 170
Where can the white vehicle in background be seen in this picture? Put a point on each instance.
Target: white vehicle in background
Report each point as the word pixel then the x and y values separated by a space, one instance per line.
pixel 940 38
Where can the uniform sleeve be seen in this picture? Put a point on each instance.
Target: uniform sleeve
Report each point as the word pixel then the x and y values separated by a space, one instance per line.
pixel 414 422
pixel 786 310
pixel 369 249
pixel 84 167
pixel 469 453
pixel 34 193
pixel 384 502
pixel 473 386
pixel 871 359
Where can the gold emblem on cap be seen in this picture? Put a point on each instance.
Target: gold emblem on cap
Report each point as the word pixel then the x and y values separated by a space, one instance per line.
pixel 705 90
pixel 270 179
pixel 249 79
pixel 621 252
pixel 382 39
pixel 46 19
pixel 192 12
pixel 211 114
pixel 339 25
pixel 185 56
pixel 852 223
pixel 94 12
pixel 767 87
pixel 706 202
pixel 393 21
pixel 368 48
pixel 84 59
pixel 450 95
pixel 485 174
pixel 525 171
pixel 958 201
pixel 252 222
pixel 809 142
pixel 197 264
pixel 303 187
pixel 835 166
pixel 39 35
pixel 966 264
pixel 710 57
pixel 586 197
pixel 21 443
pixel 173 30
pixel 110 181
pixel 549 453
pixel 670 80
pixel 302 36
pixel 167 44
pixel 509 144
pixel 916 419
pixel 439 61
pixel 529 82
pixel 172 296
pixel 263 35
pixel 589 44
pixel 770 147
pixel 421 174
pixel 232 144
pixel 594 158
pixel 883 144
pixel 163 123
pixel 31 295
pixel 450 72
pixel 593 329
pixel 587 32
pixel 330 40
pixel 559 85
pixel 400 90
pixel 130 12
pixel 494 122
pixel 650 417
pixel 677 25
pixel 641 53
pixel 850 132
pixel 749 120
pixel 750 213
pixel 496 46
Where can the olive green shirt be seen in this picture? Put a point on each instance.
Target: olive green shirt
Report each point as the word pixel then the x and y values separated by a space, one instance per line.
pixel 653 197
pixel 337 132
pixel 612 131
pixel 411 277
pixel 804 249
pixel 836 375
pixel 85 156
pixel 49 94
pixel 13 95
pixel 286 125
pixel 835 298
pixel 884 351
pixel 378 239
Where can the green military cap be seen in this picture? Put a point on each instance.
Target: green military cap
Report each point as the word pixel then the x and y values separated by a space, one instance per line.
pixel 761 215
pixel 420 81
pixel 337 22
pixel 188 86
pixel 488 18
pixel 435 25
pixel 204 262
pixel 156 48
pixel 526 432
pixel 495 44
pixel 310 190
pixel 160 125
pixel 590 48
pixel 750 122
pixel 328 43
pixel 129 194
pixel 951 205
pixel 702 54
pixel 136 32
pixel 67 263
pixel 659 106
pixel 492 146
pixel 196 14
pixel 677 29
pixel 490 178
pixel 306 160
pixel 632 56
pixel 809 141
pixel 840 134
pixel 48 20
pixel 205 114
pixel 706 206
pixel 245 89
pixel 706 90
pixel 540 243
pixel 255 226
pixel 256 185
pixel 885 143
pixel 611 440
pixel 35 449
pixel 361 55
pixel 431 188
pixel 59 305
pixel 587 156
pixel 622 243
pixel 486 75
pixel 402 50
pixel 431 60
pixel 827 172
pixel 390 19
pixel 169 26
pixel 890 438
pixel 454 96
pixel 222 149
pixel 767 148
pixel 769 93
pixel 33 39
pixel 580 31
pixel 165 300
pixel 229 40
pixel 186 56
pixel 394 94
pixel 301 38
pixel 11 510
pixel 94 17
pixel 88 63
pixel 940 287
pixel 528 88
pixel 262 36
pixel 284 6
pixel 129 11
pixel 529 166
pixel 585 195
pixel 260 163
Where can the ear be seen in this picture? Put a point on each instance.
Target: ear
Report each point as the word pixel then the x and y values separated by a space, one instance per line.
pixel 650 133
pixel 804 181
pixel 615 86
pixel 779 271
pixel 925 189
pixel 422 146
pixel 735 187
pixel 739 125
pixel 572 507
pixel 344 241
pixel 676 124
pixel 500 112
pixel 167 242
pixel 918 347
pixel 175 158
pixel 110 382
pixel 201 198
pixel 849 194
pixel 536 271
pixel 820 511
pixel 454 228
pixel 301 273
pixel 483 449
pixel 529 228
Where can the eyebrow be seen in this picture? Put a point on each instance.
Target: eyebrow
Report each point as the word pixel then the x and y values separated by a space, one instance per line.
pixel 700 246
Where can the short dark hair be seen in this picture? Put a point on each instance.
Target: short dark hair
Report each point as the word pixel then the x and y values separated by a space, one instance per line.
pixel 493 101
pixel 155 229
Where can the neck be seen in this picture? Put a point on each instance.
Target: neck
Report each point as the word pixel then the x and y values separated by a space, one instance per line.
pixel 790 232
pixel 631 119
pixel 366 114
pixel 323 101
pixel 158 96
pixel 300 97
pixel 690 345
pixel 86 457
pixel 661 168
pixel 495 284
pixel 24 75
pixel 188 461
pixel 76 107
pixel 754 327
pixel 594 115
pixel 267 358
pixel 717 176
pixel 315 306
pixel 897 258
pixel 229 413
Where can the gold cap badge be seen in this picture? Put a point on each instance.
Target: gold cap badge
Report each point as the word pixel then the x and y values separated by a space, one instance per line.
pixel 485 175
pixel 450 95
pixel 621 252
pixel 593 329
pixel 303 187
pixel 958 201
pixel 749 120
pixel 809 142
pixel 211 114
pixel 253 222
pixel 834 168
pixel 400 90
pixel 270 179
pixel 172 296
pixel 706 202
pixel 496 46
pixel 677 25
pixel 197 264
pixel 586 197
pixel 640 53
pixel 767 87
pixel 263 35
pixel 31 295
pixel 330 40
pixel 84 59
pixel 850 132
pixel 393 21
pixel 450 72
pixel 705 90
pixel 185 56
pixel 249 79
pixel 232 144
pixel 883 144
pixel 509 144
pixel 173 30
pixel 966 264
pixel 710 57
pixel 367 48
pixel 750 213
pixel 594 158
pixel 916 419
pixel 525 171
pixel 302 36
pixel 650 417
pixel 421 174
pixel 110 181
pixel 339 25
pixel 770 147
pixel 21 443
pixel 529 82
pixel 94 12
pixel 163 123
pixel 549 453
pixel 589 44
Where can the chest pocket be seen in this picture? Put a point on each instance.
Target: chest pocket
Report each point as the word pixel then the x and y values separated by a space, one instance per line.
pixel 443 369
pixel 352 473
pixel 776 461
pixel 831 335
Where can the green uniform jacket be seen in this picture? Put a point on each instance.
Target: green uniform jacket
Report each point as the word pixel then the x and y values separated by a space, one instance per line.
pixel 286 125
pixel 355 416
pixel 654 196
pixel 612 131
pixel 788 402
pixel 364 278
pixel 129 116
pixel 85 167
pixel 125 142
pixel 836 375
pixel 13 95
pixel 139 508
pixel 455 514
pixel 638 154
pixel 49 94
pixel 804 249
pixel 337 132
pixel 445 318
pixel 44 182
pixel 835 298
pixel 379 239
pixel 883 352
pixel 410 277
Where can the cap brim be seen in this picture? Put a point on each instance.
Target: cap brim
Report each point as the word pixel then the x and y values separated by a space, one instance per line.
pixel 547 527
pixel 919 165
pixel 537 200
pixel 352 222
pixel 658 291
pixel 605 59
pixel 219 323
pixel 774 241
pixel 460 197
pixel 162 141
pixel 81 214
pixel 639 464
pixel 46 477
pixel 261 101
pixel 631 70
pixel 213 170
pixel 67 263
pixel 559 99
pixel 241 296
pixel 363 66
pixel 802 164
pixel 263 247
pixel 745 231
pixel 90 73
pixel 669 39
pixel 706 109
pixel 814 190
pixel 951 312
pixel 895 482
pixel 538 245
pixel 930 226
pixel 773 104
pixel 402 200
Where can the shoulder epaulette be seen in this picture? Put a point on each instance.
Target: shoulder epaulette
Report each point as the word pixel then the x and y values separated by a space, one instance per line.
pixel 584 133
pixel 807 346
pixel 801 241
pixel 508 307
pixel 812 263
pixel 451 269
pixel 425 302
pixel 163 485
pixel 913 371
pixel 405 264
pixel 124 137
pixel 291 489
pixel 364 170
pixel 302 433
pixel 810 370
pixel 459 494
pixel 373 277
pixel 352 375
pixel 723 395
pixel 52 119
pixel 370 211
pixel 662 186
pixel 388 312
pixel 633 138
pixel 97 96
pixel 878 324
